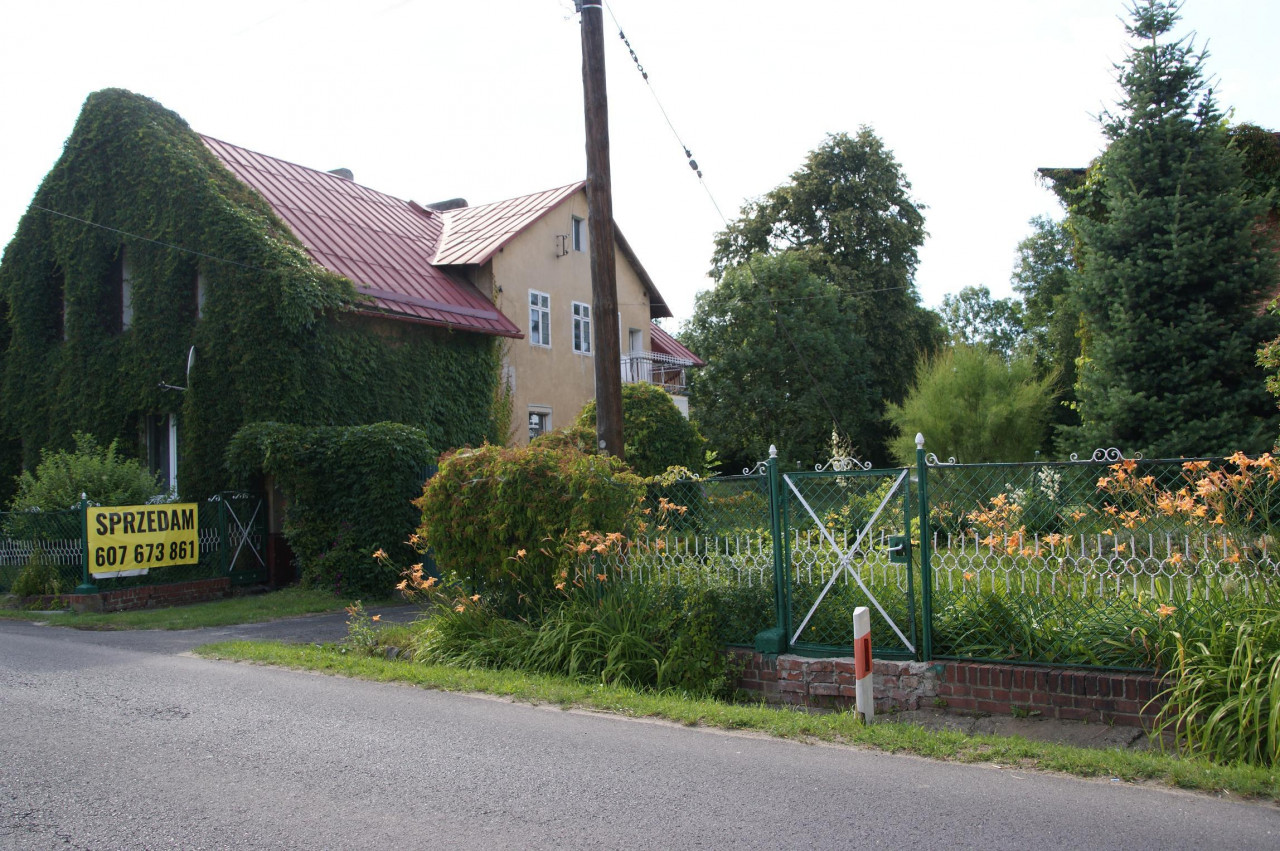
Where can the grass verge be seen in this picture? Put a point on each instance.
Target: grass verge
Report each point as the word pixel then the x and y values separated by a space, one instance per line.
pixel 288 602
pixel 842 728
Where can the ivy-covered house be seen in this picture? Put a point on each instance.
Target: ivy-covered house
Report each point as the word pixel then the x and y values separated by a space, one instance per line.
pixel 295 295
pixel 306 298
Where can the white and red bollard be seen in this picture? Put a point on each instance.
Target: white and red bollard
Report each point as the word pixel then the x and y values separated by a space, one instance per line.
pixel 864 694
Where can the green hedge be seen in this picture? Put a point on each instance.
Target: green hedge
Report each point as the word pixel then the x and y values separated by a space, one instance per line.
pixel 349 492
pixel 655 434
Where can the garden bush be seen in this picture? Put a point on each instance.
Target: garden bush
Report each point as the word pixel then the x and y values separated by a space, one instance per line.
pixel 655 434
pixel 510 522
pixel 1224 697
pixel 349 492
pixel 101 473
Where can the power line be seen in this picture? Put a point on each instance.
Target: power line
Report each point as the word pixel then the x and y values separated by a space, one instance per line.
pixel 150 240
pixel 693 164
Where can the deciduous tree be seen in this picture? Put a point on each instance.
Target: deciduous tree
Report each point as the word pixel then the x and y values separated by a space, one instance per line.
pixel 783 362
pixel 849 210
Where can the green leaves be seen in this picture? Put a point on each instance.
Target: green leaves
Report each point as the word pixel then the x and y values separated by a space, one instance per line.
pixel 348 490
pixel 1174 271
pixel 972 405
pixel 657 435
pixel 848 219
pixel 510 522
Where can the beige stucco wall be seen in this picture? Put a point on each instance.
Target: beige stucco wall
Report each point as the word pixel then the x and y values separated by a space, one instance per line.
pixel 556 378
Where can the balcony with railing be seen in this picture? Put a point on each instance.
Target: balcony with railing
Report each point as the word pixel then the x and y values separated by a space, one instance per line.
pixel 665 371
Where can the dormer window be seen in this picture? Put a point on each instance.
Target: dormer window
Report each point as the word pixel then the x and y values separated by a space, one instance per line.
pixel 577 234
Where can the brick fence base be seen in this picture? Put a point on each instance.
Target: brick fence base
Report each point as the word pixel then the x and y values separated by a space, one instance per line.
pixel 994 689
pixel 139 597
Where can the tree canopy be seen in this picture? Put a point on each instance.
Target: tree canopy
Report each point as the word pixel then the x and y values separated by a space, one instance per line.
pixel 783 363
pixel 1174 272
pixel 974 318
pixel 975 406
pixel 848 219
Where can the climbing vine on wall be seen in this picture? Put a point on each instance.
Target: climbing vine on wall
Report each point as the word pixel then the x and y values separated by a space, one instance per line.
pixel 276 338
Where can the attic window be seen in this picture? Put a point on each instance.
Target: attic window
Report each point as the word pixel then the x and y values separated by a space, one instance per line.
pixel 577 234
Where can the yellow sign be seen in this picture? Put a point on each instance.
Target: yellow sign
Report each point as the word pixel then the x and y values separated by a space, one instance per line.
pixel 140 537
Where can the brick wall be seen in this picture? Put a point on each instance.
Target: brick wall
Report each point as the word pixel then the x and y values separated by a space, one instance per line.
pixel 1071 694
pixel 140 597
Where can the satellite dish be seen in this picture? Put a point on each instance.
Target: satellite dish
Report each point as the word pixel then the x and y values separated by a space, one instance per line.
pixel 191 360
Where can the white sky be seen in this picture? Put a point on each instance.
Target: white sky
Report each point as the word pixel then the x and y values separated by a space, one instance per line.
pixel 427 100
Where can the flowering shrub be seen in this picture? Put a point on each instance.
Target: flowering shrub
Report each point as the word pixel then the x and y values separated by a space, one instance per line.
pixel 507 523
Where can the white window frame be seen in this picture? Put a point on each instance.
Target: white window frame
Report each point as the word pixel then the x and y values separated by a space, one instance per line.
pixel 126 290
pixel 541 415
pixel 168 464
pixel 577 233
pixel 582 328
pixel 540 318
pixel 202 292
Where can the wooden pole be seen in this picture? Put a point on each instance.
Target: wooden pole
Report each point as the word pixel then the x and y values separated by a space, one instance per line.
pixel 604 285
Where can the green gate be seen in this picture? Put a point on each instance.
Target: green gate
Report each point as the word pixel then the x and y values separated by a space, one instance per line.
pixel 846 542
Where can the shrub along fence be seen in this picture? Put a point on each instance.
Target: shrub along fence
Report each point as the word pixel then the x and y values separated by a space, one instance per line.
pixel 47 553
pixel 1087 562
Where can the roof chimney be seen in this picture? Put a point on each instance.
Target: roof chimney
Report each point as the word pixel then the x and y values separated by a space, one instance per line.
pixel 343 172
pixel 451 204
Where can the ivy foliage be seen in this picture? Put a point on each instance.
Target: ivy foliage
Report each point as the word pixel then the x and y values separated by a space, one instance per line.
pixel 509 523
pixel 277 338
pixel 349 492
pixel 655 434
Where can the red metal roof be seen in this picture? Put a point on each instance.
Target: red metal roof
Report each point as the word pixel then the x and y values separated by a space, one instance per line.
pixel 382 244
pixel 664 344
pixel 474 234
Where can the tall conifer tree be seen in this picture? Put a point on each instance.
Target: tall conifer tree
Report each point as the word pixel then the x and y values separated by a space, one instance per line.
pixel 1174 270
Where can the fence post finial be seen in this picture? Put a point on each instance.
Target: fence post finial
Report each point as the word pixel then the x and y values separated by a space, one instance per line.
pixel 773 451
pixel 919 440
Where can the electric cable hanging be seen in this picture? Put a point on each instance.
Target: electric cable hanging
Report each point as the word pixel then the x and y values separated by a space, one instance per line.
pixel 693 164
pixel 150 240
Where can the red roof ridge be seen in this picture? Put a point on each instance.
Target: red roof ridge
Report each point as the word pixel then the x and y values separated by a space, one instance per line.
pixel 377 241
pixel 473 234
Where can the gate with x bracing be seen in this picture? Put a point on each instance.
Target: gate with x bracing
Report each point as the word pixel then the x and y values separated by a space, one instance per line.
pixel 846 542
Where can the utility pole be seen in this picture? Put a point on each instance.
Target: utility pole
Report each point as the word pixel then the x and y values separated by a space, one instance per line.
pixel 604 284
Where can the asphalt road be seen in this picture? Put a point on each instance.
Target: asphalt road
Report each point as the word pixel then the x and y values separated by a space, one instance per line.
pixel 118 740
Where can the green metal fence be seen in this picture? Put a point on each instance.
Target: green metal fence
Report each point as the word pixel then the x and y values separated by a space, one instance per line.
pixel 1096 561
pixel 712 534
pixel 44 552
